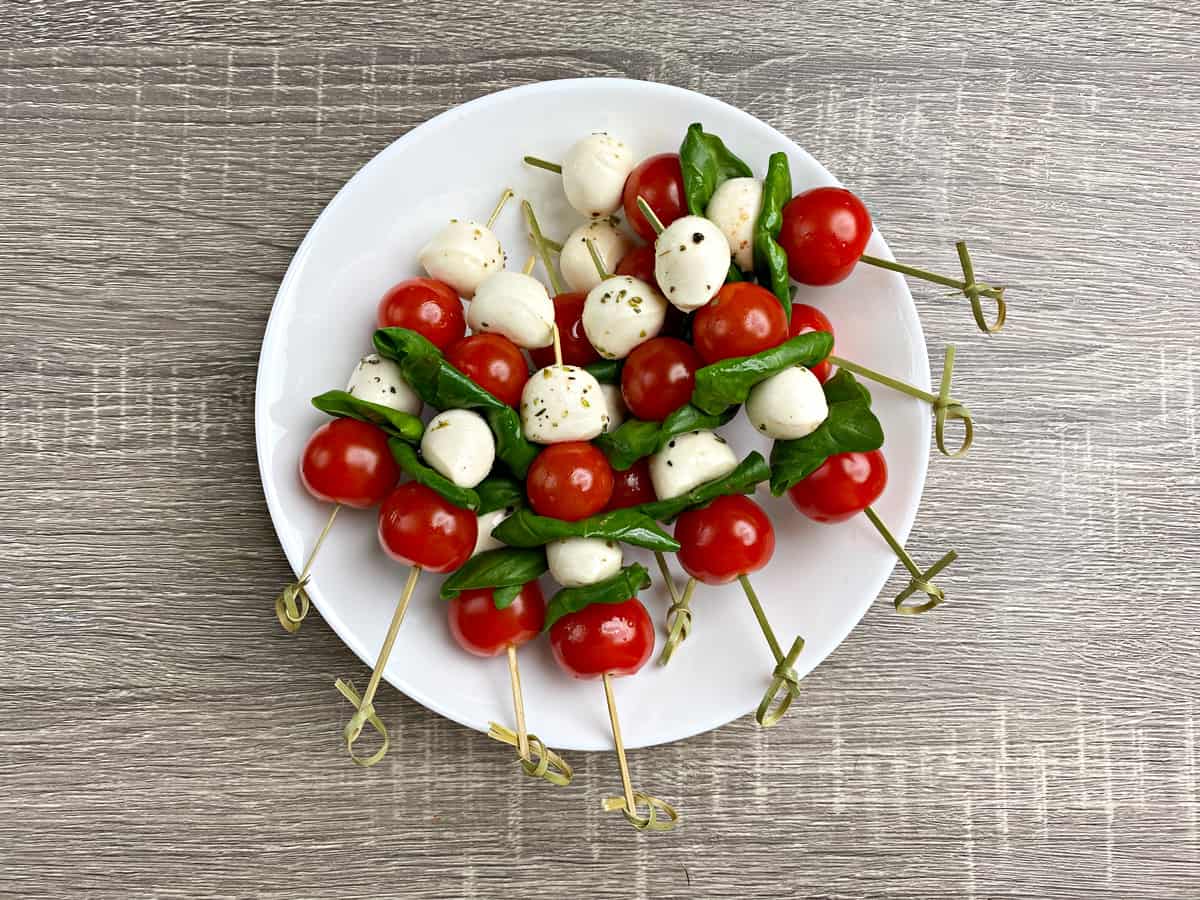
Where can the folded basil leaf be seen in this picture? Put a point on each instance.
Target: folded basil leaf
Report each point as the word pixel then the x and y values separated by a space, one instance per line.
pixel 851 427
pixel 706 162
pixel 770 260
pixel 617 589
pixel 502 597
pixel 511 446
pixel 734 274
pixel 606 371
pixel 501 569
pixel 635 439
pixel 728 382
pixel 499 492
pixel 749 473
pixel 395 422
pixel 524 528
pixel 406 457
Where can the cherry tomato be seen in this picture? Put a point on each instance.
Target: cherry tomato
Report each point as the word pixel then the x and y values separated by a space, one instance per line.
pixel 639 263
pixel 494 363
pixel 577 350
pixel 603 638
pixel 845 485
pixel 807 318
pixel 659 181
pixel 482 629
pixel 427 306
pixel 569 481
pixel 658 377
pixel 824 232
pixel 633 486
pixel 743 319
pixel 731 536
pixel 347 461
pixel 418 527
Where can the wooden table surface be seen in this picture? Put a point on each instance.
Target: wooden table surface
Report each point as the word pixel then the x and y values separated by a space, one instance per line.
pixel 1036 736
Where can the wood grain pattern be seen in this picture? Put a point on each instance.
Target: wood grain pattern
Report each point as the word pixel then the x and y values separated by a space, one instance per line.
pixel 160 736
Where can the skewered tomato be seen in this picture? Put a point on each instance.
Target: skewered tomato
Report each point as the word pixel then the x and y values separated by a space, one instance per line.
pixel 659 181
pixel 418 527
pixel 603 638
pixel 743 319
pixel 427 306
pixel 494 363
pixel 482 629
pixel 824 232
pixel 347 461
pixel 844 485
pixel 658 377
pixel 577 350
pixel 639 263
pixel 633 486
pixel 732 536
pixel 807 318
pixel 569 481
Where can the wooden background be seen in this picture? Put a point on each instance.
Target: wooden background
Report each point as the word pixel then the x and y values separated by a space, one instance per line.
pixel 1037 736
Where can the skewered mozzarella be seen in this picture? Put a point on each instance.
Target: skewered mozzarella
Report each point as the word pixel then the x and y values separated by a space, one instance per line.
pixel 734 209
pixel 575 562
pixel 594 172
pixel 516 306
pixel 562 403
pixel 688 461
pixel 459 444
pixel 578 268
pixel 620 313
pixel 691 260
pixel 378 380
pixel 486 522
pixel 787 406
pixel 462 254
pixel 614 402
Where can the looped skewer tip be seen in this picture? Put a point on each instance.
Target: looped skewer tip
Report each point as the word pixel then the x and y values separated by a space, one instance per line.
pixel 543 762
pixel 648 822
pixel 784 679
pixel 290 613
pixel 935 596
pixel 975 290
pixel 679 622
pixel 364 715
pixel 945 407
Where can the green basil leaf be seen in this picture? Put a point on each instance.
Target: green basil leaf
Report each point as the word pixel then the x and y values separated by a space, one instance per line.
pixel 606 371
pixel 734 274
pixel 524 528
pixel 749 473
pixel 728 382
pixel 502 597
pixel 844 386
pixel 393 421
pixel 706 162
pixel 505 567
pixel 511 446
pixel 499 492
pixel 406 457
pixel 635 439
pixel 770 260
pixel 617 589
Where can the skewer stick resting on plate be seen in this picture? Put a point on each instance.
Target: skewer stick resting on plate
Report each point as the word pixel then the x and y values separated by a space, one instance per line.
pixel 628 802
pixel 537 760
pixel 290 612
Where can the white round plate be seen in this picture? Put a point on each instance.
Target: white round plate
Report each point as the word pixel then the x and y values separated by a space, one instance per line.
pixel 822 578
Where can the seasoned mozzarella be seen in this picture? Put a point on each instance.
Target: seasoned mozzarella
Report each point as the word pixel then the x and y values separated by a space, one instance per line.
pixel 594 172
pixel 788 405
pixel 688 461
pixel 378 380
pixel 615 404
pixel 462 254
pixel 691 260
pixel 486 522
pixel 516 306
pixel 459 444
pixel 576 263
pixel 734 209
pixel 575 562
pixel 562 403
pixel 620 313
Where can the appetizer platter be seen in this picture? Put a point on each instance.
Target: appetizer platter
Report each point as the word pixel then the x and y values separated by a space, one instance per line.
pixel 594 414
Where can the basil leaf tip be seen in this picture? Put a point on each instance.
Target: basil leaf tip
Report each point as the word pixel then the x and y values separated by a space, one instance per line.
pixel 394 422
pixel 617 589
pixel 408 461
pixel 706 162
pixel 728 382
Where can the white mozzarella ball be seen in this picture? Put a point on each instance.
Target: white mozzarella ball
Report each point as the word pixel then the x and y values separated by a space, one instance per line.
pixel 462 254
pixel 691 260
pixel 787 406
pixel 378 380
pixel 688 461
pixel 516 306
pixel 594 172
pixel 734 209
pixel 621 312
pixel 614 402
pixel 458 444
pixel 562 403
pixel 485 523
pixel 575 262
pixel 575 562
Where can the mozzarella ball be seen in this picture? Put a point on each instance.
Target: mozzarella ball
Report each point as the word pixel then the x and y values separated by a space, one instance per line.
pixel 691 260
pixel 621 312
pixel 614 402
pixel 734 209
pixel 562 403
pixel 516 306
pixel 575 562
pixel 458 444
pixel 378 380
pixel 485 523
pixel 462 254
pixel 594 172
pixel 787 406
pixel 688 461
pixel 575 262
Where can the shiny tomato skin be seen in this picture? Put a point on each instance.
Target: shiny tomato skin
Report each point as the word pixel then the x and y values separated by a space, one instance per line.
pixel 494 363
pixel 603 638
pixel 843 486
pixel 731 536
pixel 427 306
pixel 348 462
pixel 824 232
pixel 807 318
pixel 658 377
pixel 743 319
pixel 418 527
pixel 659 181
pixel 632 487
pixel 639 263
pixel 483 630
pixel 569 481
pixel 577 350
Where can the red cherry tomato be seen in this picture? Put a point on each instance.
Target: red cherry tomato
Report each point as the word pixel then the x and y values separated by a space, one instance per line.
pixel 494 363
pixel 845 485
pixel 807 318
pixel 569 481
pixel 824 232
pixel 418 527
pixel 731 536
pixel 633 486
pixel 659 181
pixel 604 638
pixel 639 263
pixel 743 319
pixel 427 306
pixel 658 377
pixel 577 350
pixel 347 461
pixel 483 630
